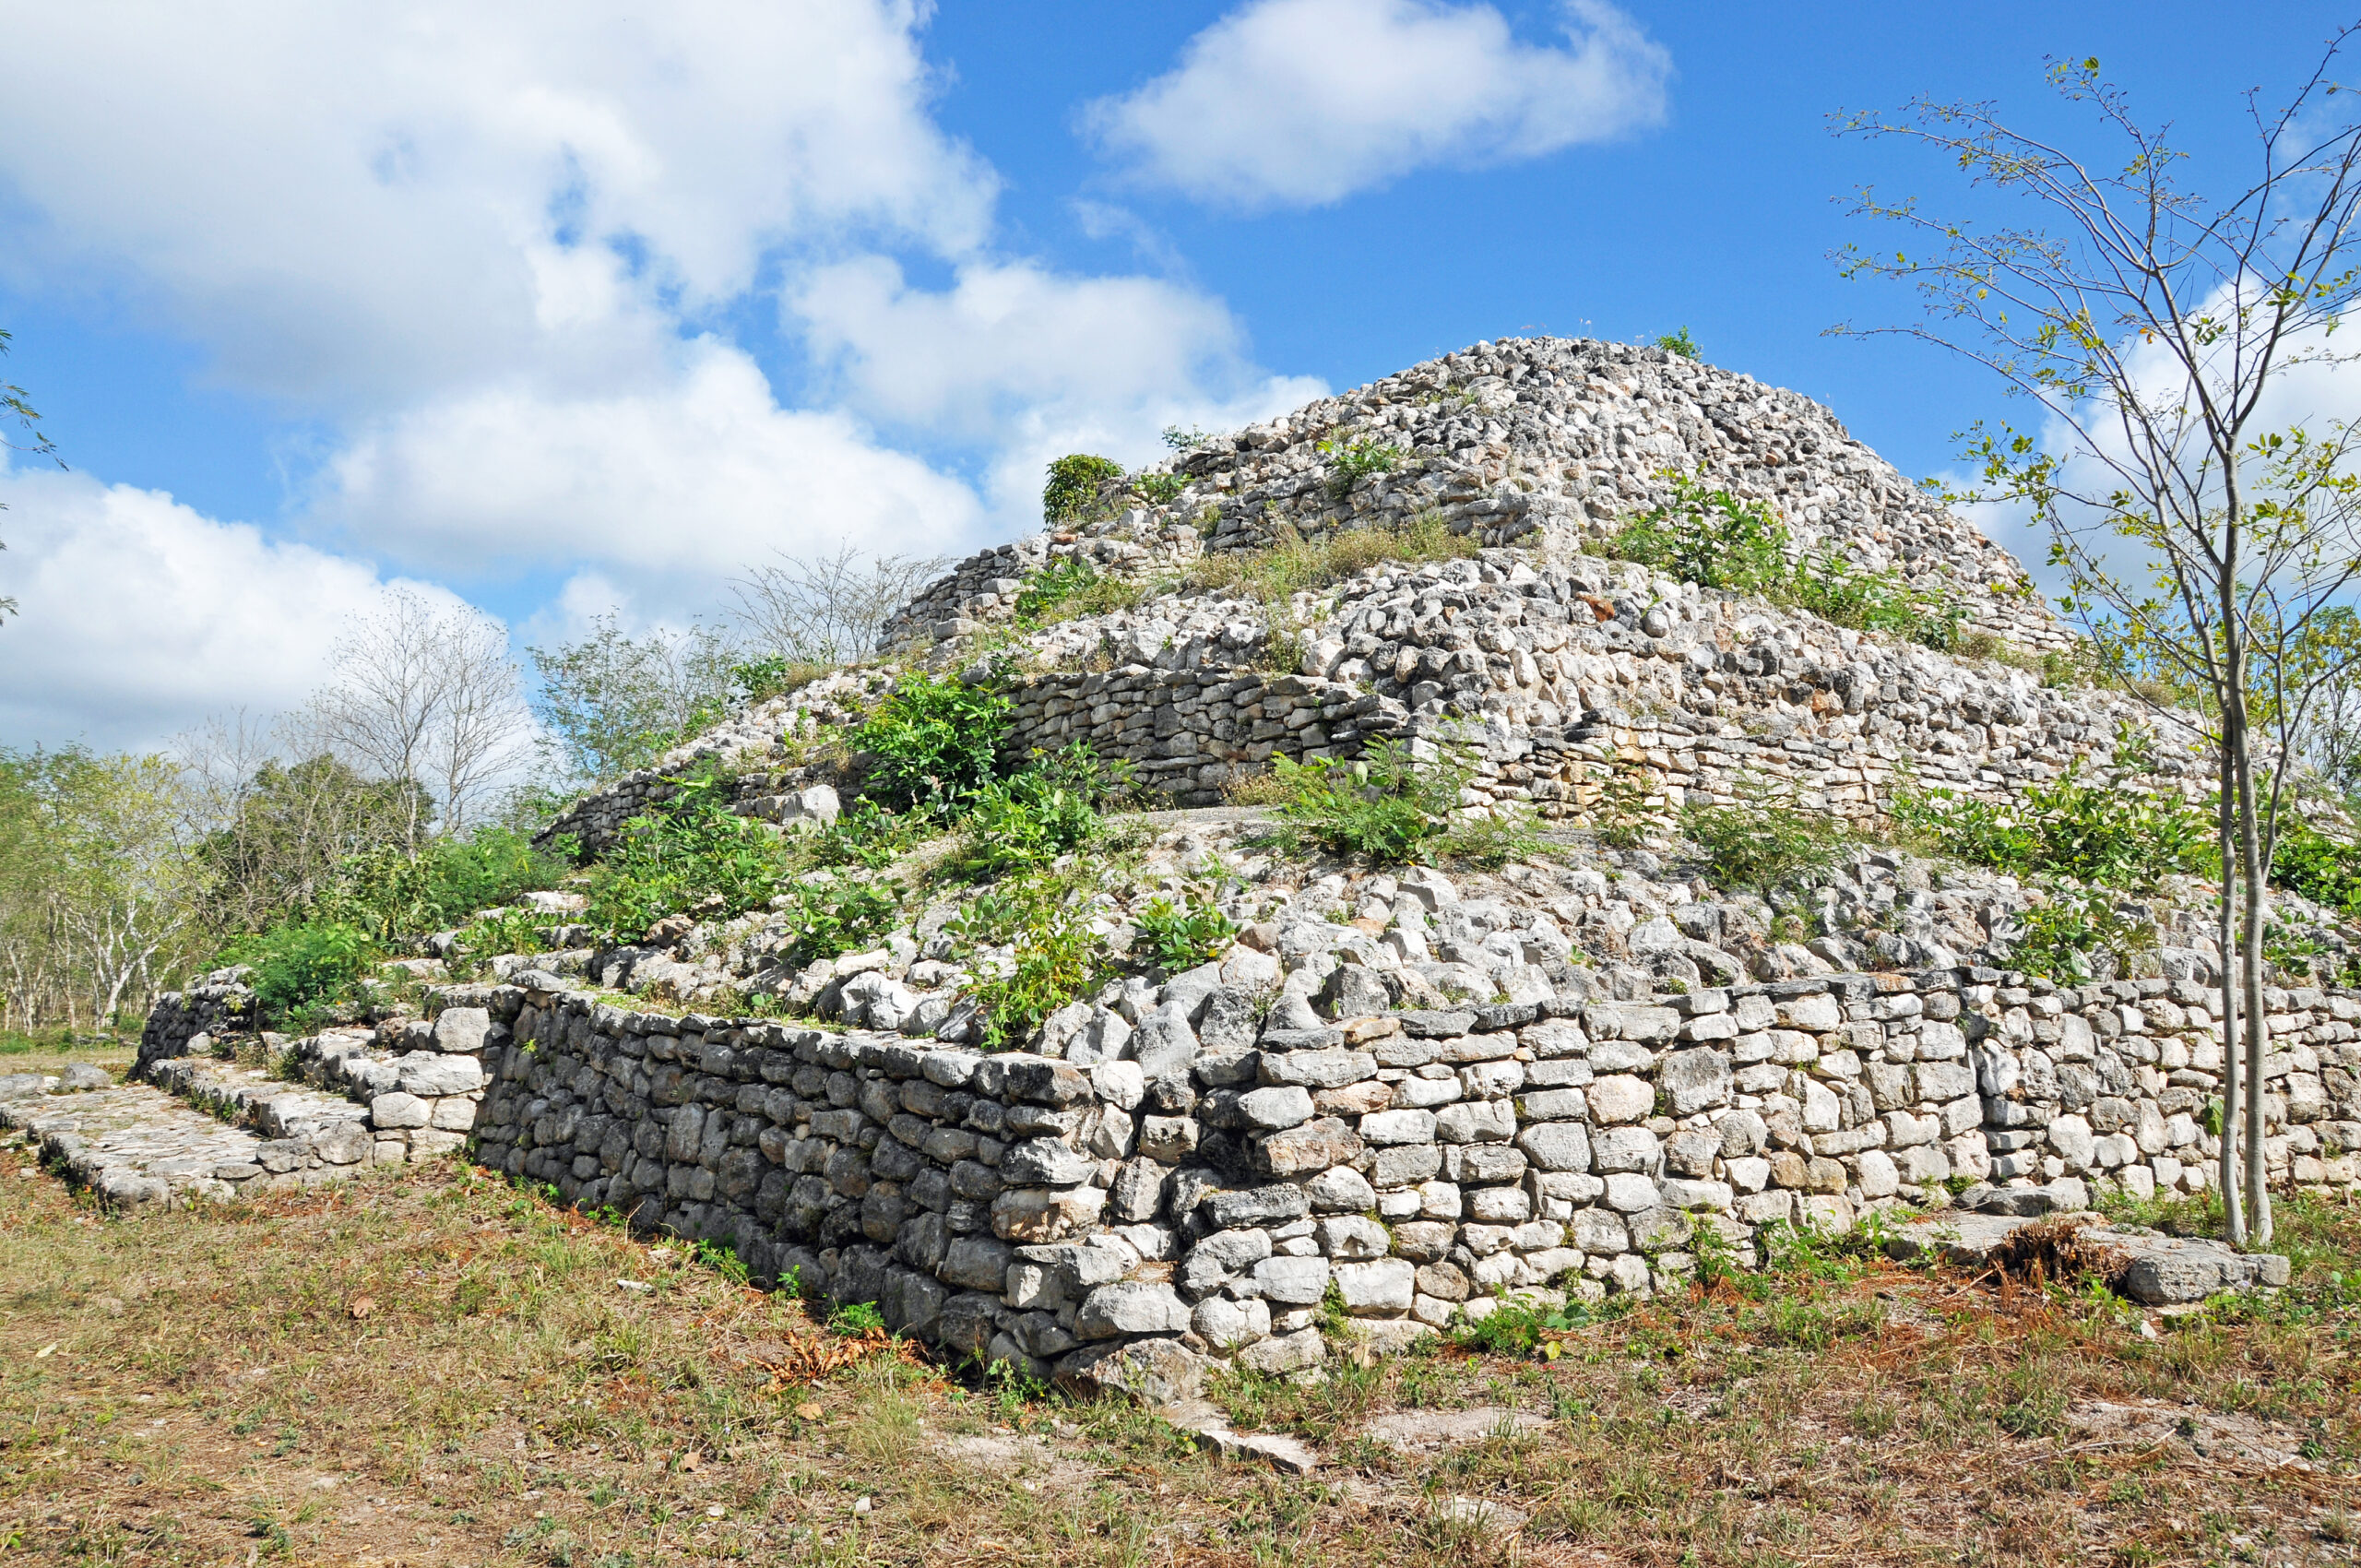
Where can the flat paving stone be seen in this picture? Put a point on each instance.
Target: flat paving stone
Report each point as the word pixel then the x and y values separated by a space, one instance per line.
pixel 2158 1270
pixel 136 1144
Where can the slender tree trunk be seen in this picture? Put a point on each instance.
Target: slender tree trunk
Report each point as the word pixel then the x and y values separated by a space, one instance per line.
pixel 2234 1218
pixel 2258 1032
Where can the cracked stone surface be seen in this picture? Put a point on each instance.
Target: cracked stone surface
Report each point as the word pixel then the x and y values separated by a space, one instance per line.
pixel 2159 1270
pixel 138 1144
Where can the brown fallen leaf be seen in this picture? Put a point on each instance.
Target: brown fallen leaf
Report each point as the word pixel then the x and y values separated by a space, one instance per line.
pixel 689 1460
pixel 809 1412
pixel 361 1306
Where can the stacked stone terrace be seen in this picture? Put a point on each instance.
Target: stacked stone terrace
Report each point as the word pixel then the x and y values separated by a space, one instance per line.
pixel 1184 1189
pixel 1563 667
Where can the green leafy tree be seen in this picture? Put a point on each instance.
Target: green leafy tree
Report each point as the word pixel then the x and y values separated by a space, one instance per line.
pixel 2150 326
pixel 99 900
pixel 614 703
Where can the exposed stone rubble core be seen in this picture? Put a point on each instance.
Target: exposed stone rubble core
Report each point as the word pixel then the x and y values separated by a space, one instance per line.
pixel 1562 668
pixel 1523 437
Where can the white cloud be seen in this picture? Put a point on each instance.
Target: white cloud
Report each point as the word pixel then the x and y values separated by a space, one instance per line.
pixel 1034 363
pixel 493 255
pixel 350 203
pixel 669 487
pixel 1302 103
pixel 139 616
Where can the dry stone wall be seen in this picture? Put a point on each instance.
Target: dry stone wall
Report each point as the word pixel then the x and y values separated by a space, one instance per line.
pixel 1186 1185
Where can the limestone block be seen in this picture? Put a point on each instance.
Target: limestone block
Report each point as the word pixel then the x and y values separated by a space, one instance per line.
pixel 462 1029
pixel 1131 1307
pixel 397 1110
pixel 1381 1287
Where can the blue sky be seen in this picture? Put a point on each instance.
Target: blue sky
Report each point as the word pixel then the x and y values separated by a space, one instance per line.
pixel 575 307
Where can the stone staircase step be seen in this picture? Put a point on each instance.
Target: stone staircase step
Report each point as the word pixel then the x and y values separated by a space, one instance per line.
pixel 136 1144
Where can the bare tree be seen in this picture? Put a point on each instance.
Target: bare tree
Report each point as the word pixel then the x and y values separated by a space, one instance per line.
pixel 426 694
pixel 13 406
pixel 2149 327
pixel 827 608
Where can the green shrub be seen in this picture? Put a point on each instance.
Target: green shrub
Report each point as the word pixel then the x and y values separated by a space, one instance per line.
pixel 1387 805
pixel 388 892
pixel 1158 490
pixel 1072 494
pixel 1056 956
pixel 1504 833
pixel 1710 538
pixel 756 680
pixel 832 916
pixel 300 967
pixel 865 835
pixel 1354 459
pixel 1713 539
pixel 1071 588
pixel 1760 842
pixel 932 743
pixel 2092 832
pixel 690 852
pixel 1028 819
pixel 2062 934
pixel 1680 343
pixel 2326 870
pixel 1182 936
pixel 1846 595
pixel 504 930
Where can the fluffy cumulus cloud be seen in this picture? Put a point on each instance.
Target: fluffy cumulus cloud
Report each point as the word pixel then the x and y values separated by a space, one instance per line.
pixel 501 261
pixel 139 615
pixel 1302 102
pixel 1034 364
pixel 671 487
pixel 355 203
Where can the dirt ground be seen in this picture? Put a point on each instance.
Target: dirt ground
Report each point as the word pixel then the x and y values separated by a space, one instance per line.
pixel 432 1367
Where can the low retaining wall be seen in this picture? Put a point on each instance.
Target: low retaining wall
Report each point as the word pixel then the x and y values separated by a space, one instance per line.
pixel 1189 1198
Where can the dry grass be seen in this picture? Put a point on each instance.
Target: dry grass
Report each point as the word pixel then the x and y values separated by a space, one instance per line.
pixel 432 1367
pixel 1296 565
pixel 51 1051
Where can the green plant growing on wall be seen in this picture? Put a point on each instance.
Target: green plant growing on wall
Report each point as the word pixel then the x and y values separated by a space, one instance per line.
pixel 690 852
pixel 1183 935
pixel 1352 460
pixel 1387 805
pixel 1710 538
pixel 2070 826
pixel 2062 932
pixel 1048 809
pixel 1680 343
pixel 931 743
pixel 1072 493
pixel 1158 490
pixel 829 916
pixel 1761 840
pixel 1055 953
pixel 1718 540
pixel 1071 588
pixel 302 967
